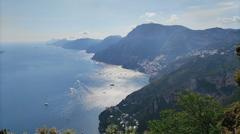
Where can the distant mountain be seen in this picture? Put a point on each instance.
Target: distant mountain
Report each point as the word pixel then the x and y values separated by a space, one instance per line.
pixel 211 74
pixel 81 44
pixel 160 45
pixel 104 44
pixel 88 44
pixel 60 42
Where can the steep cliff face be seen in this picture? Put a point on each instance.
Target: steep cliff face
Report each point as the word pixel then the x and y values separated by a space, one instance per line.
pixel 210 74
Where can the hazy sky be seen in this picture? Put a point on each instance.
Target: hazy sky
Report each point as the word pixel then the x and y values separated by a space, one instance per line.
pixel 41 20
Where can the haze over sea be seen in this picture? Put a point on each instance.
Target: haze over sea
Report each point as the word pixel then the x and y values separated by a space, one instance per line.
pixel 75 87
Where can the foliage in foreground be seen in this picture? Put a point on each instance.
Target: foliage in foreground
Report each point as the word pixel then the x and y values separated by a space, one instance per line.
pixel 199 114
pixel 231 120
pixel 114 129
pixel 43 130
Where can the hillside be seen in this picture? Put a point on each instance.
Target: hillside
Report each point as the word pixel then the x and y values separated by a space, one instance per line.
pixel 104 44
pixel 211 74
pixel 151 47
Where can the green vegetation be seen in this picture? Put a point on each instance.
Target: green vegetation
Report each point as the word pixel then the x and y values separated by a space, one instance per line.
pixel 212 75
pixel 202 112
pixel 195 114
pixel 114 129
pixel 237 74
pixel 171 122
pixel 231 120
pixel 238 50
pixel 5 131
pixel 43 130
pixel 199 114
pixel 237 77
pixel 69 131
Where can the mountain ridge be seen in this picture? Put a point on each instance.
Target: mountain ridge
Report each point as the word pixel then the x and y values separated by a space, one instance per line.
pixel 211 75
pixel 149 41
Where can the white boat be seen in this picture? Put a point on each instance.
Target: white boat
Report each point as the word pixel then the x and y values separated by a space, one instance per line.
pixel 112 85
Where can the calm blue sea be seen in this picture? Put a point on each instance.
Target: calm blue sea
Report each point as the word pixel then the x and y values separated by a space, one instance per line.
pixel 68 80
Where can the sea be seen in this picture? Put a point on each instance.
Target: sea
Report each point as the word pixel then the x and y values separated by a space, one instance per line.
pixel 48 86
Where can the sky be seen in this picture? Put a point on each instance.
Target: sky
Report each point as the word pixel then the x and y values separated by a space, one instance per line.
pixel 43 20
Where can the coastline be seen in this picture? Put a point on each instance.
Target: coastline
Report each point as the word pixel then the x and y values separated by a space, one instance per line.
pixel 118 83
pixel 110 64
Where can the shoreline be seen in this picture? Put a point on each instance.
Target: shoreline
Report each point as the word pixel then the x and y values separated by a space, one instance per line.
pixel 118 83
pixel 109 64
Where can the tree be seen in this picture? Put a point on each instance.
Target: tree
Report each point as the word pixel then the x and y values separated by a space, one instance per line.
pixel 69 131
pixel 112 129
pixel 237 77
pixel 42 130
pixel 46 130
pixel 237 74
pixel 198 115
pixel 203 112
pixel 231 120
pixel 129 130
pixel 238 50
pixel 171 122
pixel 5 131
